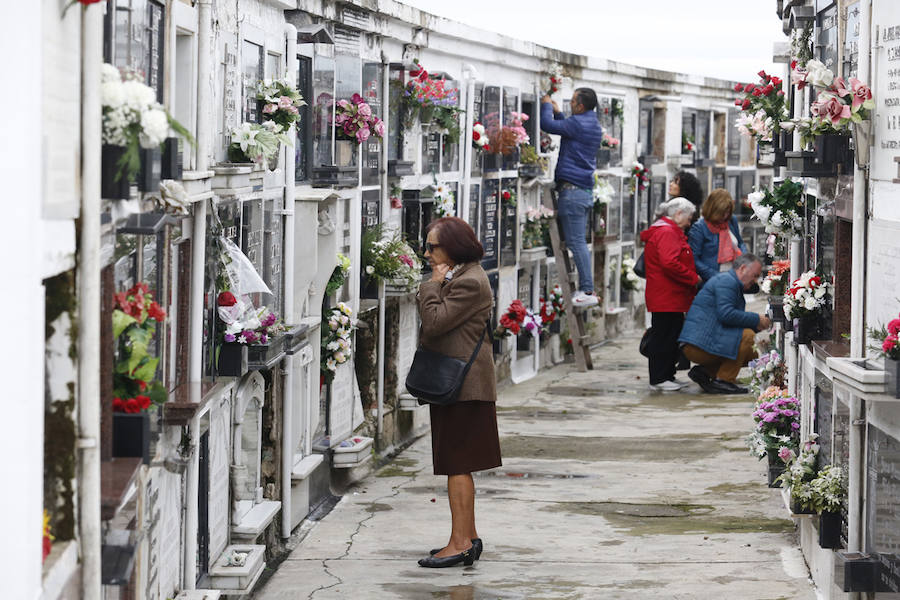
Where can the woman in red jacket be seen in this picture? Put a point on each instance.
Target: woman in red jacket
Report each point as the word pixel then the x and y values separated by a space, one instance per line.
pixel 671 284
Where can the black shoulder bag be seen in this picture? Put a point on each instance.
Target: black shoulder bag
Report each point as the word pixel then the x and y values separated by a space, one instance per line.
pixel 435 378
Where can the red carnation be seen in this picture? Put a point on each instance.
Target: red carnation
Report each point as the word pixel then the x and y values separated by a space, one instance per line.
pixel 132 406
pixel 762 74
pixel 757 92
pixel 738 87
pixel 118 405
pixel 226 299
pixel 749 88
pixel 768 89
pixel 143 402
pixel 746 104
pixel 156 312
pixel 476 136
pixel 506 195
pixel 486 148
pixel 776 81
pixel 793 64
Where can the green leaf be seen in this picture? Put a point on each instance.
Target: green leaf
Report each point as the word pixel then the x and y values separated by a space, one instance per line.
pixel 138 354
pixel 139 335
pixel 147 370
pixel 157 393
pixel 120 322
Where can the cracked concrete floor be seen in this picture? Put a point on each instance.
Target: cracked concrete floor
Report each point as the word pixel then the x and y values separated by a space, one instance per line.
pixel 607 490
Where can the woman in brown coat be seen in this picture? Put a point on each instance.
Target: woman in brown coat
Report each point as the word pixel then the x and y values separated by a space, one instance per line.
pixel 455 306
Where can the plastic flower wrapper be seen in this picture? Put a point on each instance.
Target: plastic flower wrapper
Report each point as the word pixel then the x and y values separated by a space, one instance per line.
pixel 603 191
pixel 240 302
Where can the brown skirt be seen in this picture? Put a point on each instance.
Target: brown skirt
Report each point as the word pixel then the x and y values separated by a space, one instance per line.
pixel 464 438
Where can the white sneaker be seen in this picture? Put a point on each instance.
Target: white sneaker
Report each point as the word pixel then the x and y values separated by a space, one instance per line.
pixel 667 386
pixel 681 382
pixel 581 299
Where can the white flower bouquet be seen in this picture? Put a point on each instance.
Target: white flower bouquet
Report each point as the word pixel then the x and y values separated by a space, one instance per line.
pixel 807 295
pixel 132 118
pixel 337 325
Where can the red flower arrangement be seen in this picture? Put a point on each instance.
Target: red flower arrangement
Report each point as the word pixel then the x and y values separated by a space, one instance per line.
pixel 512 319
pixel 766 96
pixel 134 322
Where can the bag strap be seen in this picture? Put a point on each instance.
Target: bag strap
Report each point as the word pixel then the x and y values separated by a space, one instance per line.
pixel 487 327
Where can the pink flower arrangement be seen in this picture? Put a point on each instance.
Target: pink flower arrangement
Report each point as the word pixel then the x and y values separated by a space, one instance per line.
pixel 353 119
pixel 609 141
pixel 888 338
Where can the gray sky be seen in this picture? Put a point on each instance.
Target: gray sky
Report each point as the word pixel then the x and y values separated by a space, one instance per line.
pixel 729 39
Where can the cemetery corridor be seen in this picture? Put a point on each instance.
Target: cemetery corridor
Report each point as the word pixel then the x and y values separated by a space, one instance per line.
pixel 607 491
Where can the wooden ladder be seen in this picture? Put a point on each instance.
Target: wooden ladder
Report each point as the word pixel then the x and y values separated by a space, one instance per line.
pixel 568 276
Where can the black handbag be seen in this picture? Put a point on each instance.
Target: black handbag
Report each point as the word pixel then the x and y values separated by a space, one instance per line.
pixel 639 268
pixel 436 378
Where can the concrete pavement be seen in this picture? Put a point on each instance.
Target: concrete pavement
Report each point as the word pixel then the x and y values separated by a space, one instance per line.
pixel 607 490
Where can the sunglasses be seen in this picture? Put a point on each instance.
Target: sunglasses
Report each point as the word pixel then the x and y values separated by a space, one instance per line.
pixel 430 247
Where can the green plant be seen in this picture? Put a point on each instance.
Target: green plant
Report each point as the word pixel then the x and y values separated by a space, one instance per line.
pixel 338 275
pixel 528 155
pixel 389 257
pixel 800 472
pixel 828 491
pixel 448 118
pixel 801 45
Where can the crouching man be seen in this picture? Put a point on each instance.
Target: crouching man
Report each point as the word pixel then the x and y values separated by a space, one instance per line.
pixel 718 333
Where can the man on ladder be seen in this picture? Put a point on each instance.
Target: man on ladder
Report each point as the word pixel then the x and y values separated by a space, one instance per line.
pixel 581 136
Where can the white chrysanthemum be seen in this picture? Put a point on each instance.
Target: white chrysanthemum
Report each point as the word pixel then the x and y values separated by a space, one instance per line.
pixel 155 126
pixel 109 73
pixel 112 94
pixel 138 96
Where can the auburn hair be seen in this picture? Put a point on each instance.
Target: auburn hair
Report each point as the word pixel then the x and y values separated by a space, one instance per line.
pixel 718 207
pixel 457 239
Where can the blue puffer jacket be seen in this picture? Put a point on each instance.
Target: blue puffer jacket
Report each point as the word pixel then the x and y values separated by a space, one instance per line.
pixel 717 318
pixel 705 246
pixel 581 137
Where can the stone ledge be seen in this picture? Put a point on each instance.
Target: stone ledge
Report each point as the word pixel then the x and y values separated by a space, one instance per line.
pixel 199 595
pixel 256 520
pixel 237 581
pixel 305 467
pixel 59 569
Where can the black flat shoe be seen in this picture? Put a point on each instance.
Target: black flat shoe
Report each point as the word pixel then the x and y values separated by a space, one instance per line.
pixel 477 548
pixel 730 387
pixel 466 558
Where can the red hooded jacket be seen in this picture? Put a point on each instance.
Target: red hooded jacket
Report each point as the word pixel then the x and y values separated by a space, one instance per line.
pixel 669 265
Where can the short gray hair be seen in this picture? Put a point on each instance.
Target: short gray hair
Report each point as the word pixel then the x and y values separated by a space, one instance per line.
pixel 677 205
pixel 745 259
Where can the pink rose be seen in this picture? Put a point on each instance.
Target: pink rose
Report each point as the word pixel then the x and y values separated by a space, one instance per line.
pixel 379 128
pixel 362 135
pixel 270 108
pixel 285 102
pixel 840 87
pixel 830 107
pixel 365 110
pixel 861 92
pixel 343 104
pixel 349 128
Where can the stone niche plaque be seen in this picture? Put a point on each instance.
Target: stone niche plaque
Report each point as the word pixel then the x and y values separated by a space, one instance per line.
pixel 883 279
pixel 886 59
pixel 883 507
pixel 490 200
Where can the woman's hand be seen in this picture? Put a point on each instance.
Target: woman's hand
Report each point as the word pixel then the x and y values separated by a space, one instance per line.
pixel 439 272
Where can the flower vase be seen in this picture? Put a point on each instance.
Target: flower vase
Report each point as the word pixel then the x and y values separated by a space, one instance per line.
pixel 830 530
pixel 236 155
pixel 232 360
pixel 604 155
pixel 862 141
pixel 131 435
pixel 274 162
pixel 776 308
pixel 892 377
pixel 808 328
pixel 776 467
pixel 345 152
pixel 114 183
pixel 368 288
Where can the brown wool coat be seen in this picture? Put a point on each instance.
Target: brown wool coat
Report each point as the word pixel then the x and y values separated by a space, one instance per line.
pixel 453 315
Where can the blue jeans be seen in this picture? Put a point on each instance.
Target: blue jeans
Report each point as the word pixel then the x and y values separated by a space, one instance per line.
pixel 574 207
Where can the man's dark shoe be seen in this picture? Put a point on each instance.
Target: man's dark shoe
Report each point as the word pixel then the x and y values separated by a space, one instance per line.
pixel 699 376
pixel 729 387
